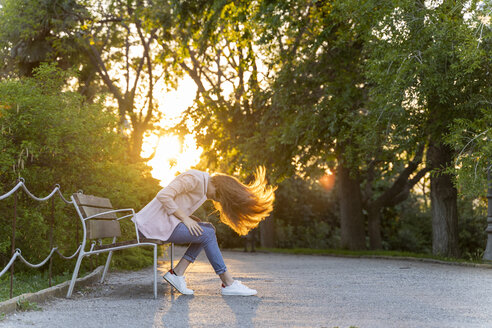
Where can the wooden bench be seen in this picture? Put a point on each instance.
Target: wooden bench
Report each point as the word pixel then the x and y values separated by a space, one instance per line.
pixel 100 220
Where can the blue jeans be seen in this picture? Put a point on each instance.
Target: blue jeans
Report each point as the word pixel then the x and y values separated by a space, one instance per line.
pixel 207 241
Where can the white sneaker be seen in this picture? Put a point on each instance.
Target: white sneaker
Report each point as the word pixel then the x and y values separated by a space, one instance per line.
pixel 237 288
pixel 177 282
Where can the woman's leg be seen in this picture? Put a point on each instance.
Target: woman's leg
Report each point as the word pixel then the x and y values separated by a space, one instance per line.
pixel 207 241
pixel 183 264
pixel 181 267
pixel 226 278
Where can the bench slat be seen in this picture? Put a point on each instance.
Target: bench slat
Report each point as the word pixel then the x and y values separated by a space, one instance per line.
pixel 89 211
pixel 93 201
pixel 97 229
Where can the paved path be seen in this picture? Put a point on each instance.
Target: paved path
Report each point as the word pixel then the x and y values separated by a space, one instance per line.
pixel 293 291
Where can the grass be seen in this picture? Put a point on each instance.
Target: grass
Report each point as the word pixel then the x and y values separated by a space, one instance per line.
pixel 365 253
pixel 25 305
pixel 29 283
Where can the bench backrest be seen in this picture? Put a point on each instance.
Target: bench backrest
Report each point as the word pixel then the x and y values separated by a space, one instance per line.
pixel 105 225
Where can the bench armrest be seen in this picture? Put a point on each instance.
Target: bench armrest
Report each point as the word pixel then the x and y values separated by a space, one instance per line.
pixel 113 211
pixel 127 216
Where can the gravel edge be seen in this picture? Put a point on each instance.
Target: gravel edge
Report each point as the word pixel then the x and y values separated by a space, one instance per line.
pixel 385 257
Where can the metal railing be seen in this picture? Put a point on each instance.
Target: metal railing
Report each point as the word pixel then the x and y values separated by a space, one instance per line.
pixel 17 253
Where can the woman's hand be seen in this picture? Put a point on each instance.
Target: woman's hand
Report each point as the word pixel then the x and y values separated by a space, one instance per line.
pixel 192 226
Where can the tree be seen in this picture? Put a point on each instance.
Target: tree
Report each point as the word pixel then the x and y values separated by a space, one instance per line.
pixel 321 109
pixel 112 43
pixel 425 74
pixel 35 31
pixel 214 46
pixel 117 37
pixel 308 113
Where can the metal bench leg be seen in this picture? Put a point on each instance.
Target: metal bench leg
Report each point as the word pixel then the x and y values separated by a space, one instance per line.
pixel 155 271
pixel 75 273
pixel 106 266
pixel 172 256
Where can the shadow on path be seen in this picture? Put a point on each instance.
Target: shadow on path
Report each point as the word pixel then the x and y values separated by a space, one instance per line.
pixel 244 309
pixel 177 315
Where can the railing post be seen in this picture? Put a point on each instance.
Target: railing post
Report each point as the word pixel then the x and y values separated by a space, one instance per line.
pixel 14 223
pixel 52 222
pixel 488 250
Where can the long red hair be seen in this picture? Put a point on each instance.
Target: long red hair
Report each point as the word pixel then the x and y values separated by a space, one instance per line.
pixel 241 206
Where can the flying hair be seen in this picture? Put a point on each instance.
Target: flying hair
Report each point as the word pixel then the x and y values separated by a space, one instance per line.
pixel 242 207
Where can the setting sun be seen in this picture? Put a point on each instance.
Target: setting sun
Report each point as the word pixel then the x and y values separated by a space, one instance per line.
pixel 327 181
pixel 172 155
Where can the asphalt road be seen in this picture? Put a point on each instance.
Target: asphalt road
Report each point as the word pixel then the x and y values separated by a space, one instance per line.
pixel 293 291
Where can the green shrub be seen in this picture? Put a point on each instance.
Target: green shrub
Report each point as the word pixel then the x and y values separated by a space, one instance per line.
pixel 471 227
pixel 49 135
pixel 407 228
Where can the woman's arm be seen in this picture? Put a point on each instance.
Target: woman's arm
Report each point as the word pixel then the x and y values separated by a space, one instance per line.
pixel 182 184
pixel 196 218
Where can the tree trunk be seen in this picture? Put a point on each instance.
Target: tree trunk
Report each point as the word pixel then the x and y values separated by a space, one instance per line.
pixel 443 203
pixel 136 143
pixel 267 233
pixel 374 228
pixel 351 219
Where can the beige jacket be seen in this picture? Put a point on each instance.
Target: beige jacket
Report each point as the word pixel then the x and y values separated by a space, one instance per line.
pixel 188 191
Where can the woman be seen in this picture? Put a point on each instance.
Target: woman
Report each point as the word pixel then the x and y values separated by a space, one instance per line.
pixel 169 217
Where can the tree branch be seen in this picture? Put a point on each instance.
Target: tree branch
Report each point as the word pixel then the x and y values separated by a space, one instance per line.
pixel 401 183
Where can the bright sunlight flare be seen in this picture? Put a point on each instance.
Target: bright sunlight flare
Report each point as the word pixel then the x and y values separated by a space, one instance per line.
pixel 173 155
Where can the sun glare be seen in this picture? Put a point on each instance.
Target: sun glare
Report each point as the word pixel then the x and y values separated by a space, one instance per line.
pixel 172 155
pixel 327 181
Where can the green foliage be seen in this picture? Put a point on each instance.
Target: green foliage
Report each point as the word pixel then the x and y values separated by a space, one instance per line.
pixel 51 135
pixel 31 282
pixel 25 305
pixel 472 225
pixel 229 104
pixel 305 215
pixel 319 235
pixel 113 45
pixel 36 31
pixel 472 140
pixel 134 258
pixel 430 70
pixel 407 227
pixel 367 84
pixel 294 85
